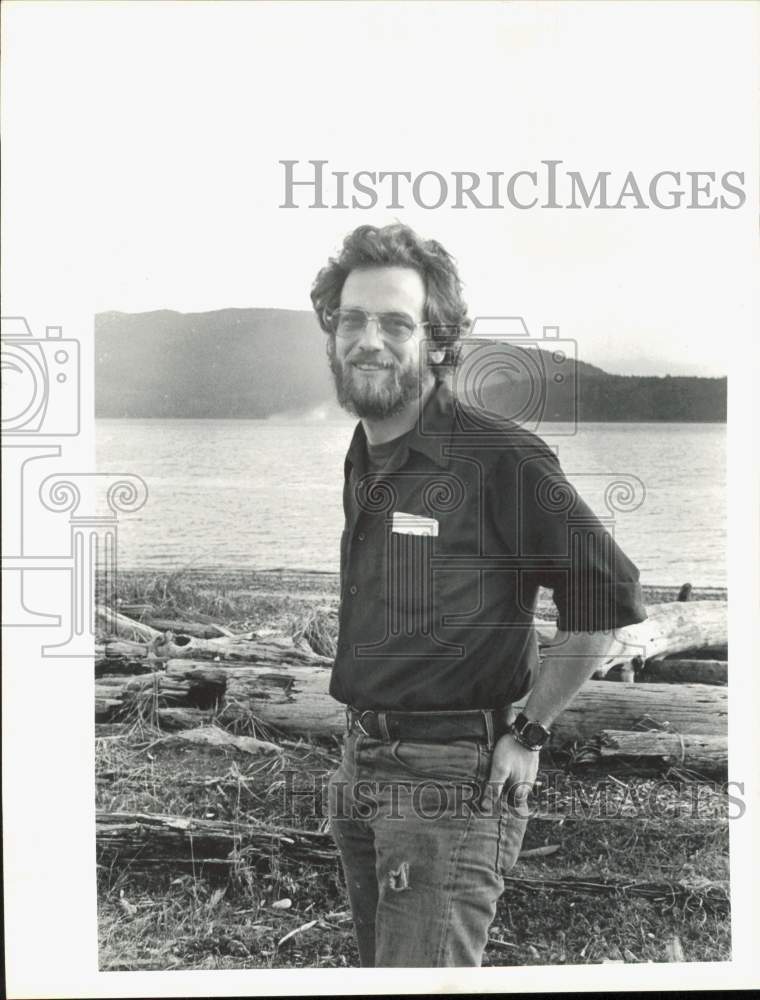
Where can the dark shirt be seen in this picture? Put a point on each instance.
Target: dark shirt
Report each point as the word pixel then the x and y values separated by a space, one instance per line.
pixel 378 455
pixel 445 621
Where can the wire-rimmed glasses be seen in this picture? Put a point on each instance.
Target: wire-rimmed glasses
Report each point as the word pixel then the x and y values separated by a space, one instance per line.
pixel 349 323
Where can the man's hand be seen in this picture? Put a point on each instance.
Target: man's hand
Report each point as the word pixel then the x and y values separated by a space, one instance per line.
pixel 513 769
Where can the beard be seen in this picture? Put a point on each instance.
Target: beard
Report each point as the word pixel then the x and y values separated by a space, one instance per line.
pixel 376 397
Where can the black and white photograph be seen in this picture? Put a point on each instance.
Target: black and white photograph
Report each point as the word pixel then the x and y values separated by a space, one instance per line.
pixel 379 496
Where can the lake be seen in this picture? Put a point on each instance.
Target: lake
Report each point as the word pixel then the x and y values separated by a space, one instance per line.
pixel 262 494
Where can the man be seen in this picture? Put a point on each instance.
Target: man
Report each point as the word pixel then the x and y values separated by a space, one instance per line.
pixel 453 521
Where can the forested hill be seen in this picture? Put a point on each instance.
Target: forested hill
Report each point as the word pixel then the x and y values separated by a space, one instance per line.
pixel 266 362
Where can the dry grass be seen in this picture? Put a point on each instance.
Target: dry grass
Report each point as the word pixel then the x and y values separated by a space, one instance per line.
pixel 172 918
pixel 204 918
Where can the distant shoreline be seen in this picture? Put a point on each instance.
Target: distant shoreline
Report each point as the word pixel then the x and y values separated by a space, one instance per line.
pixel 281 578
pixel 337 420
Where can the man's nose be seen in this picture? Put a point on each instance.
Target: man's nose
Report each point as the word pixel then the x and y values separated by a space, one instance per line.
pixel 371 338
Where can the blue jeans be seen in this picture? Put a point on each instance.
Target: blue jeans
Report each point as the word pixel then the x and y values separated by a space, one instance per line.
pixel 425 844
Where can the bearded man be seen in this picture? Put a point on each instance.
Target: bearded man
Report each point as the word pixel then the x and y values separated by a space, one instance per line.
pixel 453 521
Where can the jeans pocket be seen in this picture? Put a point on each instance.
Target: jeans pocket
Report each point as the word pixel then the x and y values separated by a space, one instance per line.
pixel 459 762
pixel 335 793
pixel 511 834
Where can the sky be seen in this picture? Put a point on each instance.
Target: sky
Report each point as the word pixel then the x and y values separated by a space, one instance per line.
pixel 150 136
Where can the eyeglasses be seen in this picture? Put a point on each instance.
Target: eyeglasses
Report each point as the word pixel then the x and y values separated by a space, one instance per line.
pixel 395 326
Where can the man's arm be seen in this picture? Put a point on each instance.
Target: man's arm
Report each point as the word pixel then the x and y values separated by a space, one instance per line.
pixel 567 664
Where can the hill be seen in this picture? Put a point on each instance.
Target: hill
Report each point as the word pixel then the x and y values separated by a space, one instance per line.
pixel 257 363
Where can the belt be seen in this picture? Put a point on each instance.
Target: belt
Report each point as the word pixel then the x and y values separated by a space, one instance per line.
pixel 481 724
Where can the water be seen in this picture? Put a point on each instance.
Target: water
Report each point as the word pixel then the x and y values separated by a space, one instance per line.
pixel 264 493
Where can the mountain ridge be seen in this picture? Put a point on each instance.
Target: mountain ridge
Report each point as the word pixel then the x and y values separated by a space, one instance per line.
pixel 260 363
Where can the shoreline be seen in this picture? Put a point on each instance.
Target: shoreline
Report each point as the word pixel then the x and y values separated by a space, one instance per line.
pixel 284 597
pixel 236 573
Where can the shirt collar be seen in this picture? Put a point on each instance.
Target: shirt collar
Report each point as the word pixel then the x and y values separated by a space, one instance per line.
pixel 429 436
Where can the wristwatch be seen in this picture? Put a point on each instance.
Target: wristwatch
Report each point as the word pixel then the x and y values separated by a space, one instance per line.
pixel 531 735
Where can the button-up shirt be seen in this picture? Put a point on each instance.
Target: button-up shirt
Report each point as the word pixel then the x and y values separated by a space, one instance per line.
pixel 442 556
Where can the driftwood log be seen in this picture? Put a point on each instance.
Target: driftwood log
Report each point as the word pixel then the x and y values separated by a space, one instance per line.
pixel 684 708
pixel 296 699
pixel 197 629
pixel 236 649
pixel 113 623
pixel 215 736
pixel 145 840
pixel 270 651
pixel 675 671
pixel 671 627
pixel 117 696
pixel 701 753
pixel 285 685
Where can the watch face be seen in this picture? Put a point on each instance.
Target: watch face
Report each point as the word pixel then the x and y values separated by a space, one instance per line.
pixel 534 733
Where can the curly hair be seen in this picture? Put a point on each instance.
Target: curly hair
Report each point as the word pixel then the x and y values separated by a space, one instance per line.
pixel 397 245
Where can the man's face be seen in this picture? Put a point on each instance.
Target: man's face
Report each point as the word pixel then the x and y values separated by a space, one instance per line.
pixel 375 377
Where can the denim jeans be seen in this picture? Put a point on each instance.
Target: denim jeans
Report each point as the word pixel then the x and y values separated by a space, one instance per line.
pixel 424 843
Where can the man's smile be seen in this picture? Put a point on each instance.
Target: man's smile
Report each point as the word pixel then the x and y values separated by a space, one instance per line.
pixel 371 366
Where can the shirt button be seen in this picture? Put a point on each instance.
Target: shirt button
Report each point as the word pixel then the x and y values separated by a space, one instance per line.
pixel 353 589
pixel 361 536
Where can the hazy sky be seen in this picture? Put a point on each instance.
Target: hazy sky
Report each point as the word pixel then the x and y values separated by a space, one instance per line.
pixel 151 135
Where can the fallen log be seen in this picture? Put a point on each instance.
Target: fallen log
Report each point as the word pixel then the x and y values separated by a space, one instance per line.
pixel 117 697
pixel 661 669
pixel 684 708
pixel 114 623
pixel 296 699
pixel 708 895
pixel 671 627
pixel 125 666
pixel 145 840
pixel 699 753
pixel 148 839
pixel 213 736
pixel 116 648
pixel 145 640
pixel 167 646
pixel 199 630
pixel 178 717
pixel 293 698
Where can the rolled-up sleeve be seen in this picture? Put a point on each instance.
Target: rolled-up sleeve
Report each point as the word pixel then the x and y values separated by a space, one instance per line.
pixel 562 545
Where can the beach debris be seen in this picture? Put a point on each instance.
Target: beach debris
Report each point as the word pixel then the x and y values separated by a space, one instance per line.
pixel 214 736
pixel 296 930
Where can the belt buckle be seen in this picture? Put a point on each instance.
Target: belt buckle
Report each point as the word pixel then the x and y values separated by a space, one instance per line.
pixel 354 719
pixel 358 722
